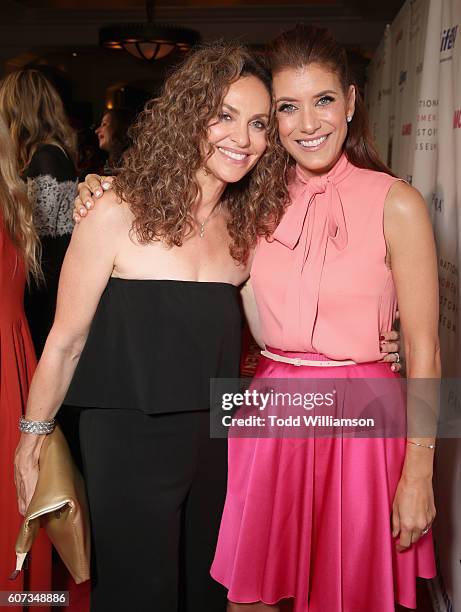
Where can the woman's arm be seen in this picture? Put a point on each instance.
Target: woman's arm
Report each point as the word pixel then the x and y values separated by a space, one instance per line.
pixel 251 312
pixel 411 245
pixel 87 266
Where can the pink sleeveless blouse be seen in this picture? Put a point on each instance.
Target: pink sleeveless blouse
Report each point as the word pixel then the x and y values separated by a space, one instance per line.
pixel 321 282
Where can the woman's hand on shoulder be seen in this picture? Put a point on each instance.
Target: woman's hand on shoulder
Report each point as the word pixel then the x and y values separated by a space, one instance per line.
pixel 93 188
pixel 95 243
pixel 107 218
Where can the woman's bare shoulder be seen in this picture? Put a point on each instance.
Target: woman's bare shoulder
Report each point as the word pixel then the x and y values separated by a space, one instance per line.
pixel 110 214
pixel 404 200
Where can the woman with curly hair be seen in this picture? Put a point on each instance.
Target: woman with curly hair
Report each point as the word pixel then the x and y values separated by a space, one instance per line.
pixel 46 147
pixel 19 260
pixel 148 311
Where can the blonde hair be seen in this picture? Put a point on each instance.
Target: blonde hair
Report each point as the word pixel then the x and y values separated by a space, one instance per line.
pixel 35 115
pixel 15 207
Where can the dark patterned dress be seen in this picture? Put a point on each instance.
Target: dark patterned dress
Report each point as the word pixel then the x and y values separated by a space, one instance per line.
pixel 52 187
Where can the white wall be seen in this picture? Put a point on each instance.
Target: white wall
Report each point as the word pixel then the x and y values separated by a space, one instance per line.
pixel 414 98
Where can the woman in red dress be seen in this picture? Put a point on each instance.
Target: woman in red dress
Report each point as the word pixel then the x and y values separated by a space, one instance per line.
pixel 18 259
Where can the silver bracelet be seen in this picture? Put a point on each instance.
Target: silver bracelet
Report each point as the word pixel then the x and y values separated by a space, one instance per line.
pixel 431 446
pixel 36 427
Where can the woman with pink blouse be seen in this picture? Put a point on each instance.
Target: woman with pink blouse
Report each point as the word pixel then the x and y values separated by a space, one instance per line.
pixel 330 524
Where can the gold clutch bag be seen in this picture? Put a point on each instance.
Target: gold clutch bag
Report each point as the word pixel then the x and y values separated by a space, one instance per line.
pixel 58 505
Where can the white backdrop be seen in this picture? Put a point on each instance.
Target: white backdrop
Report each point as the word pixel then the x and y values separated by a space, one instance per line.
pixel 414 100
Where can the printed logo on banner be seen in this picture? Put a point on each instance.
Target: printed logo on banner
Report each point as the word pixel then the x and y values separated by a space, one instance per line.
pixel 426 134
pixel 448 282
pixel 448 42
pixel 406 129
pixel 426 117
pixel 457 119
pixel 447 320
pixel 428 103
pixel 437 202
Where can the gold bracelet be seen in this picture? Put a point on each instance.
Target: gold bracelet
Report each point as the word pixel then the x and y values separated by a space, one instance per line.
pixel 431 446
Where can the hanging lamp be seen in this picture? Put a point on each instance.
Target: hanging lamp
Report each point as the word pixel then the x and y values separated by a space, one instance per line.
pixel 148 41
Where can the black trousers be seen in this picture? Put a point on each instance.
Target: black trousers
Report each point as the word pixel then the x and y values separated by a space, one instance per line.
pixel 156 487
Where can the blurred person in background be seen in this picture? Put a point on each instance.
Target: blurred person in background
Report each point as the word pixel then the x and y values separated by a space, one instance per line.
pixel 19 259
pixel 91 159
pixel 113 136
pixel 46 153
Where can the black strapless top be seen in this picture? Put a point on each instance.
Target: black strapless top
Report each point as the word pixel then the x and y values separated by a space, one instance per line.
pixel 154 345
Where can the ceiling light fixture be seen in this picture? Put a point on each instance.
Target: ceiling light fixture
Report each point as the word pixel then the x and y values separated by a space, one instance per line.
pixel 149 41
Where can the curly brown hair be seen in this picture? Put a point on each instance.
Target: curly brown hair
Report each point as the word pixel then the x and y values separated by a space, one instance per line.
pixel 158 174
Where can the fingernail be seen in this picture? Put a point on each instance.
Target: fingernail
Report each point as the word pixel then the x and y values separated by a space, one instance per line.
pixel 106 185
pixel 98 193
pixel 88 205
pixel 393 367
pixel 381 337
pixel 82 211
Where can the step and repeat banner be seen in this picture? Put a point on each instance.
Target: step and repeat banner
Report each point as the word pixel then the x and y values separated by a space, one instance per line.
pixel 414 100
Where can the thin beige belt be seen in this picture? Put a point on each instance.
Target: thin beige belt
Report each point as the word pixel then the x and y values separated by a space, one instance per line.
pixel 296 361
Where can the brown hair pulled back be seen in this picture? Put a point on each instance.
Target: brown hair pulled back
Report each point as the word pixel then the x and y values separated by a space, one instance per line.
pixel 158 174
pixel 308 44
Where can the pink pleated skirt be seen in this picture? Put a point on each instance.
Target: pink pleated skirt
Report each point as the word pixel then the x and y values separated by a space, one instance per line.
pixel 310 518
